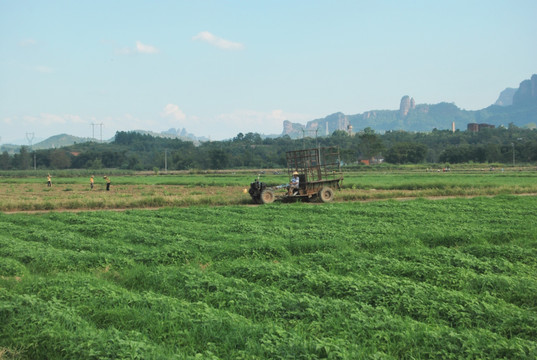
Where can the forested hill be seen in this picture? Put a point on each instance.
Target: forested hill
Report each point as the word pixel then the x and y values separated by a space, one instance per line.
pixel 518 107
pixel 134 151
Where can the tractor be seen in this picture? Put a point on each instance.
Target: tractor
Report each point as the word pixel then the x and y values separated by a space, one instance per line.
pixel 319 174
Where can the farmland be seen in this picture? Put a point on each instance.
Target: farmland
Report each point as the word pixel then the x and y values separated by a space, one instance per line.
pixel 226 188
pixel 451 278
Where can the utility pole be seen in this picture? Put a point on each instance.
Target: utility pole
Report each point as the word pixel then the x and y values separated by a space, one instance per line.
pixel 304 131
pixel 513 145
pixel 93 130
pixel 101 125
pixel 165 161
pixel 30 138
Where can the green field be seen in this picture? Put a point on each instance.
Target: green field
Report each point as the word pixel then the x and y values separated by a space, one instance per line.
pixel 419 279
pixel 70 191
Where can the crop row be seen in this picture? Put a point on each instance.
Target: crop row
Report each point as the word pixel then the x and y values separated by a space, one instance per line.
pixel 416 279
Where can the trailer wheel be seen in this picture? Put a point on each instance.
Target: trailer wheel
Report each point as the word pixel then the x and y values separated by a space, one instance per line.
pixel 267 196
pixel 326 194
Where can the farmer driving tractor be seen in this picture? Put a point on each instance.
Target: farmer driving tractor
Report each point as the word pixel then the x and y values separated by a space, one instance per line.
pixel 293 185
pixel 313 174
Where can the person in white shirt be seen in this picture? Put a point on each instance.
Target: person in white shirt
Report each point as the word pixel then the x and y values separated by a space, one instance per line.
pixel 293 185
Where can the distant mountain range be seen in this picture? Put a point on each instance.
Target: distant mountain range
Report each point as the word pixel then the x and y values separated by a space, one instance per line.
pixel 52 142
pixel 61 140
pixel 517 106
pixel 178 134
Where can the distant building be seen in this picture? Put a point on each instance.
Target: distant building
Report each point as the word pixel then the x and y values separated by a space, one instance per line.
pixel 475 127
pixel 373 160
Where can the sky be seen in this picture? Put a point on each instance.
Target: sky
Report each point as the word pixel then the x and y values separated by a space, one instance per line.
pixel 218 68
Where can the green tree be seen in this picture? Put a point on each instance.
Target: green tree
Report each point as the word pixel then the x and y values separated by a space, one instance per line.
pixel 404 153
pixel 218 159
pixel 94 164
pixel 5 161
pixel 22 160
pixel 59 159
pixel 239 137
pixel 370 145
pixel 340 134
pixel 254 138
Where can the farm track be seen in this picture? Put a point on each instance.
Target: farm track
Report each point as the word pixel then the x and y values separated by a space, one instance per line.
pixel 153 208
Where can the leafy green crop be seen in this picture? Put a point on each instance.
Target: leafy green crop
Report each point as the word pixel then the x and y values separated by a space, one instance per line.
pixel 449 279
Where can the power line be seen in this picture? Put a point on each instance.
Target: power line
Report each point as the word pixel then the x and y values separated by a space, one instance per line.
pixel 101 125
pixel 93 130
pixel 30 138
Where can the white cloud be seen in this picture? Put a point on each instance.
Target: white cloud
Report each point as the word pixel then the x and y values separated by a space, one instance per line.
pixel 27 42
pixel 214 40
pixel 174 112
pixel 140 48
pixel 145 49
pixel 43 69
pixel 53 119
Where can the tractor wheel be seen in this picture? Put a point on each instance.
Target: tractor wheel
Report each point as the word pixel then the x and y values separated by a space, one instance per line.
pixel 326 194
pixel 267 196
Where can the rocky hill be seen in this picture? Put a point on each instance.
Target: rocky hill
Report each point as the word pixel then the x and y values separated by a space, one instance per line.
pixel 506 97
pixel 526 93
pixel 518 107
pixel 181 134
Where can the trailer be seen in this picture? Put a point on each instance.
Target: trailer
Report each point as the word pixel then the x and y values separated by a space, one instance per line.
pixel 319 173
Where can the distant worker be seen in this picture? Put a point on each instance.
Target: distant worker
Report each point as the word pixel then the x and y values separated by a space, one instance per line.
pixel 91 181
pixel 293 185
pixel 107 183
pixel 49 180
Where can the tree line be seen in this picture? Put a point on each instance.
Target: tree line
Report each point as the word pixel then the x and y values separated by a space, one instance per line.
pixel 135 151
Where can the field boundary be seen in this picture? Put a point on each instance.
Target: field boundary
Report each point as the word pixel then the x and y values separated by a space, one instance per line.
pixel 154 208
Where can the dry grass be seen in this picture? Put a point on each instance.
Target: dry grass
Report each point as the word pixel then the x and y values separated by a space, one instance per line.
pixel 16 197
pixel 9 354
pixel 36 197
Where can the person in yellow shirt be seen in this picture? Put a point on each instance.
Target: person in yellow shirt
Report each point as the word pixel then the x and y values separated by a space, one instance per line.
pixel 49 180
pixel 91 182
pixel 107 183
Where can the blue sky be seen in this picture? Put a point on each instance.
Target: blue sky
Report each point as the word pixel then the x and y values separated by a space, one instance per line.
pixel 218 68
